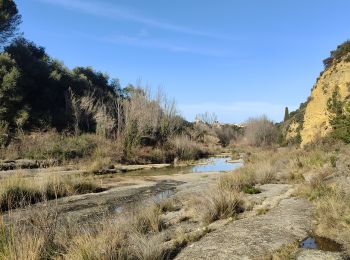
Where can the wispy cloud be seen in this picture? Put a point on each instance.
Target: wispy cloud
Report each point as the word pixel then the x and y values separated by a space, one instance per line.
pixel 235 112
pixel 141 41
pixel 117 12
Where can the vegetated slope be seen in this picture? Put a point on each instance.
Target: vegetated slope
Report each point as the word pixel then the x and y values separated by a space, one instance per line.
pixel 325 112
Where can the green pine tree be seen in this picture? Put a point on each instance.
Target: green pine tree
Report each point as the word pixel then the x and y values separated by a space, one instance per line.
pixel 286 114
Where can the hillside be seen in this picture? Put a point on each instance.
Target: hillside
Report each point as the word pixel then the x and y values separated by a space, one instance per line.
pixel 325 112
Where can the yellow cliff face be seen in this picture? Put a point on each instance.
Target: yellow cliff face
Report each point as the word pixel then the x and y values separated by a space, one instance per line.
pixel 292 130
pixel 316 118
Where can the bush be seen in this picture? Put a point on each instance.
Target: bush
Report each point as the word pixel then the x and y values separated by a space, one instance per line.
pixel 342 51
pixel 260 132
pixel 61 147
pixel 339 116
pixel 186 149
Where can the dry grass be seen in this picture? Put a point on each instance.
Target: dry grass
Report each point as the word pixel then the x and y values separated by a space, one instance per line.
pixel 264 172
pixel 19 191
pixel 238 180
pixel 147 219
pixel 187 149
pixel 146 247
pixel 108 242
pixel 287 252
pixel 168 205
pixel 333 215
pixel 219 204
pixel 61 147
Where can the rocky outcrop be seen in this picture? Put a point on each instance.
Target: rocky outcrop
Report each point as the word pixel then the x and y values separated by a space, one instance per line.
pixel 316 118
pixel 257 236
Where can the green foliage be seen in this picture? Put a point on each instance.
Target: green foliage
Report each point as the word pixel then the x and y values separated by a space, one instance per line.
pixel 39 92
pixel 60 147
pixel 4 136
pixel 342 51
pixel 11 97
pixel 339 116
pixel 286 114
pixel 250 189
pixel 9 20
pixel 333 160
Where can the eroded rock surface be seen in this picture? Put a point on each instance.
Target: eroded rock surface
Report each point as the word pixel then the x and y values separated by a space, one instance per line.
pixel 308 254
pixel 257 235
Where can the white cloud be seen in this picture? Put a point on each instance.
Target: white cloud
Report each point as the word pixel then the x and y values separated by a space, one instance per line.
pixel 236 112
pixel 117 12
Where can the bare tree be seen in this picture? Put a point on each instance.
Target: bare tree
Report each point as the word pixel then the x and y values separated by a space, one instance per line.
pixel 207 118
pixel 260 131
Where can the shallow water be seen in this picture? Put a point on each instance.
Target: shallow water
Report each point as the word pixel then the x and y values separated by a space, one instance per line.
pixel 163 195
pixel 217 165
pixel 320 243
pixel 214 164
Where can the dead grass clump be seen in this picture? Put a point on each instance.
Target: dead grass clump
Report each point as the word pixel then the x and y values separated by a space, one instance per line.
pixel 145 247
pixel 147 220
pixel 168 205
pixel 316 188
pixel 221 204
pixel 16 192
pixel 264 172
pixel 33 237
pixel 24 246
pixel 108 242
pixel 287 252
pixel 237 180
pixel 333 216
pixel 19 191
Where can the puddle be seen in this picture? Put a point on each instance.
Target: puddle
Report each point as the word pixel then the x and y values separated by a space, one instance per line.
pixel 163 195
pixel 320 243
pixel 217 165
pixel 118 210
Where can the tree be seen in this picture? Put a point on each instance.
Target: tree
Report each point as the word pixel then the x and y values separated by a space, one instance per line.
pixel 260 132
pixel 339 115
pixel 10 96
pixel 207 118
pixel 286 114
pixel 9 20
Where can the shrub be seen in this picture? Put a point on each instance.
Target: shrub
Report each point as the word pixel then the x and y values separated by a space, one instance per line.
pixel 260 132
pixel 336 55
pixel 339 116
pixel 249 189
pixel 186 149
pixel 62 148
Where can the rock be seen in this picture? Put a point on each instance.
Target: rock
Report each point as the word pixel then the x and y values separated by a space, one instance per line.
pixel 27 164
pixel 309 254
pixel 316 118
pixel 255 236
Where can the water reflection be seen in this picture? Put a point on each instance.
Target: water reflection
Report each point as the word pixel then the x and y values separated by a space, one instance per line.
pixel 217 165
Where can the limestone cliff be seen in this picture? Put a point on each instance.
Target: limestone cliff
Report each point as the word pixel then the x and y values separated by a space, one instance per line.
pixel 316 117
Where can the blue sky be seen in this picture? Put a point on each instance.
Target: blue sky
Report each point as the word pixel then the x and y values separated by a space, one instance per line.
pixel 235 58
